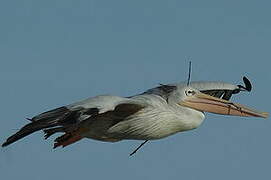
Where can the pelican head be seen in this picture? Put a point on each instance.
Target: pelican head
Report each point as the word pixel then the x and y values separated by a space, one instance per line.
pixel 210 97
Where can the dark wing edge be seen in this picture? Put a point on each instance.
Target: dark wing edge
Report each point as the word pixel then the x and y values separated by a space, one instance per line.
pixel 122 111
pixel 56 120
pixel 66 120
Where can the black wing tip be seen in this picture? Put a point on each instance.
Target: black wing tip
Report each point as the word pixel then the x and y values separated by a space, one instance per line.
pixel 10 140
pixel 5 144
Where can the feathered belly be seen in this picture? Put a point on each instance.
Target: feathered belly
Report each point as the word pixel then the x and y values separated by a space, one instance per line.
pixel 152 126
pixel 144 125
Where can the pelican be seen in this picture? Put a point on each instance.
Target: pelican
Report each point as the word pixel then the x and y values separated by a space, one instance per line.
pixel 157 113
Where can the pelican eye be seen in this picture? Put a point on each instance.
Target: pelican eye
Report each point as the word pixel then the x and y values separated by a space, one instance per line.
pixel 190 92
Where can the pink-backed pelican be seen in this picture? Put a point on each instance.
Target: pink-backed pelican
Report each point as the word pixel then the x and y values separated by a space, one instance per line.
pixel 154 114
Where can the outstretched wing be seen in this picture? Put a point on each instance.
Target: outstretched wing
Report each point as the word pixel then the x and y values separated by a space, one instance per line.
pixel 57 117
pixel 95 125
pixel 69 118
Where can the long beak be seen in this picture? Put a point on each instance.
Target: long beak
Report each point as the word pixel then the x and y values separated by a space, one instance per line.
pixel 206 103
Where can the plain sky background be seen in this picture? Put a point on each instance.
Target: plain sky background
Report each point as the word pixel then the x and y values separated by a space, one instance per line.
pixel 53 53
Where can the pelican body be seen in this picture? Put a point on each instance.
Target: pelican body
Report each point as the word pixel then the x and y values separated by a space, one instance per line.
pixel 157 113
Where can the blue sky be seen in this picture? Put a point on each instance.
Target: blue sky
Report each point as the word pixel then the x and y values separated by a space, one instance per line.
pixel 56 52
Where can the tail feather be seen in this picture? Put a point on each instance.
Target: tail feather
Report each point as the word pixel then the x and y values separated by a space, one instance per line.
pixel 57 117
pixel 69 138
pixel 66 140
